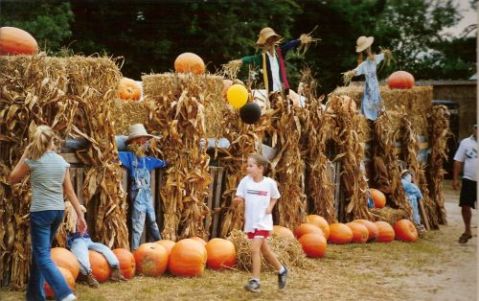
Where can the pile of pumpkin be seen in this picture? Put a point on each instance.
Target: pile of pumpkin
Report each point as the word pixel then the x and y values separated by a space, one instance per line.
pixel 186 258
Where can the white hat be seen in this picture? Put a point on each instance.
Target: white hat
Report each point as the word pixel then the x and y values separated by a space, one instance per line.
pixel 363 43
pixel 136 131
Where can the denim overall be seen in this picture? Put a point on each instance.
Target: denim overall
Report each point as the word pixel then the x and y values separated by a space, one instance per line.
pixel 142 204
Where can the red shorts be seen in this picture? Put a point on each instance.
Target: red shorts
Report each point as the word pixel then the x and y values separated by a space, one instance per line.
pixel 258 234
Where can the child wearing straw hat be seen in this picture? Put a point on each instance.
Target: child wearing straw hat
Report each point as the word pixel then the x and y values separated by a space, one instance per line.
pixel 259 194
pixel 271 58
pixel 139 167
pixel 371 103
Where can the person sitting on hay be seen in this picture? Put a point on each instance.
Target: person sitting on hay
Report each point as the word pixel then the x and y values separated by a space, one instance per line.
pixel 414 195
pixel 371 103
pixel 139 167
pixel 271 61
pixel 80 242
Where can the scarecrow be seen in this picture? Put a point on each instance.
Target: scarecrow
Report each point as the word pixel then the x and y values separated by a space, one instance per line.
pixel 371 103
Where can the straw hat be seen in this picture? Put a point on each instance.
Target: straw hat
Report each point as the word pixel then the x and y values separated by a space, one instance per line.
pixel 363 43
pixel 265 34
pixel 404 172
pixel 136 131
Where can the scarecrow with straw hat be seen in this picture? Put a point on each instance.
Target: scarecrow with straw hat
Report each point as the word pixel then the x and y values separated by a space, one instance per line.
pixel 271 59
pixel 371 103
pixel 139 167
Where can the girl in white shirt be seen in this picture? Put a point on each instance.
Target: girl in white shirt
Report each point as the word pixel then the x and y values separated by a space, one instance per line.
pixel 259 194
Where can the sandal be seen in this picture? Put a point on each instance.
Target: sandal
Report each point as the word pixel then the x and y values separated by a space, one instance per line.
pixel 464 238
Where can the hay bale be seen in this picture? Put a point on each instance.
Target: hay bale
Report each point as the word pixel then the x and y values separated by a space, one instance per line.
pixel 388 214
pixel 288 251
pixel 126 113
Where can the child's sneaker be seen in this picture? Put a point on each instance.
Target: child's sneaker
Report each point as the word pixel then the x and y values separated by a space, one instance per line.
pixel 70 297
pixel 92 282
pixel 252 286
pixel 116 275
pixel 282 278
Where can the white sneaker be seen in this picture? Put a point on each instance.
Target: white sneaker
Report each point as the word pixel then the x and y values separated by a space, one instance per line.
pixel 70 297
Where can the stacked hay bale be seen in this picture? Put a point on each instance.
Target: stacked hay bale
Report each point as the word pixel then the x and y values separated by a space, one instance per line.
pixel 179 117
pixel 341 125
pixel 73 95
pixel 126 113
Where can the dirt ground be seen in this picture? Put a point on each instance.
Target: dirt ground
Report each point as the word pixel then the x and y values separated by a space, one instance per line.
pixel 434 268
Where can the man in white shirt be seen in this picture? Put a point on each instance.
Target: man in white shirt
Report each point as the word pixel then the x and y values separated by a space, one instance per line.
pixel 466 159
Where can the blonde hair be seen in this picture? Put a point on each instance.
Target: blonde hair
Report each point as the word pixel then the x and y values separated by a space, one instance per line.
pixel 40 141
pixel 260 161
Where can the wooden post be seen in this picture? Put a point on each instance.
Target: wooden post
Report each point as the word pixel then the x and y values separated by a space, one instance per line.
pixel 217 200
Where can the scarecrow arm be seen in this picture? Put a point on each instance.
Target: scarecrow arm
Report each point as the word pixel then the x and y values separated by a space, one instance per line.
pixel 290 45
pixel 251 60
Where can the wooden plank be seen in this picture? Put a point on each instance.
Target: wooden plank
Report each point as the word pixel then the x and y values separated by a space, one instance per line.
pixel 217 201
pixel 423 214
pixel 337 189
pixel 209 200
pixel 79 185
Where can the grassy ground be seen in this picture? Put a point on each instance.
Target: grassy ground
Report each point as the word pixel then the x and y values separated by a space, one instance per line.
pixel 434 268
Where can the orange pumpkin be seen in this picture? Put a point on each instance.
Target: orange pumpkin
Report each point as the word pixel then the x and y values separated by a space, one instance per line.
pixel 313 244
pixel 188 258
pixel 221 253
pixel 65 259
pixel 373 230
pixel 99 266
pixel 127 262
pixel 151 259
pixel 167 244
pixel 189 62
pixel 340 233
pixel 68 278
pixel 15 41
pixel 307 228
pixel 386 232
pixel 282 232
pixel 201 240
pixel 360 232
pixel 400 80
pixel 319 221
pixel 129 89
pixel 378 197
pixel 405 230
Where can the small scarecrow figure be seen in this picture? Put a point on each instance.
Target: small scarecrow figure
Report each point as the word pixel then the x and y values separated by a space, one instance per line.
pixel 371 103
pixel 271 58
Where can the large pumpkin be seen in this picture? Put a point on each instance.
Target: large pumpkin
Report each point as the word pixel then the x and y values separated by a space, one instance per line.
pixel 129 89
pixel 319 221
pixel 127 262
pixel 400 80
pixel 201 240
pixel 65 259
pixel 373 230
pixel 151 259
pixel 405 230
pixel 340 233
pixel 282 232
pixel 167 244
pixel 313 244
pixel 189 62
pixel 386 232
pixel 307 228
pixel 99 266
pixel 15 41
pixel 360 232
pixel 67 275
pixel 221 254
pixel 188 258
pixel 378 197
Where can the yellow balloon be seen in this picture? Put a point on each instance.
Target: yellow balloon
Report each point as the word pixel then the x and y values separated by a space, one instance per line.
pixel 237 96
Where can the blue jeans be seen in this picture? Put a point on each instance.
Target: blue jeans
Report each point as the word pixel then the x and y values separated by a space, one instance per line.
pixel 143 210
pixel 43 225
pixel 80 247
pixel 415 210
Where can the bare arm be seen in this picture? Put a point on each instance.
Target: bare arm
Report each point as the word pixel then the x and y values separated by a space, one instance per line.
pixel 455 174
pixel 70 193
pixel 269 210
pixel 19 171
pixel 237 200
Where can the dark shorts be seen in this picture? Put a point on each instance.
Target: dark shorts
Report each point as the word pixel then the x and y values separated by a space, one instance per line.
pixel 468 193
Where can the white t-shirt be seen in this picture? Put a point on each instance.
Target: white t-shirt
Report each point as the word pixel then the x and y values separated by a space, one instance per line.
pixel 273 62
pixel 257 197
pixel 467 153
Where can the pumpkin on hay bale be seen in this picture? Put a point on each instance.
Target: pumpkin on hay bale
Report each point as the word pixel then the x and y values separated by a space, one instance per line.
pixel 16 41
pixel 288 251
pixel 282 232
pixel 378 197
pixel 129 89
pixel 189 62
pixel 400 80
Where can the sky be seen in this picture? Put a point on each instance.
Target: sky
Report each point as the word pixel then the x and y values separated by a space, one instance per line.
pixel 469 17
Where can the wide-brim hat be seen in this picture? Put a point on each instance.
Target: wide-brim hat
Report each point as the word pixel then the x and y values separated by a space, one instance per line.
pixel 136 131
pixel 265 34
pixel 363 43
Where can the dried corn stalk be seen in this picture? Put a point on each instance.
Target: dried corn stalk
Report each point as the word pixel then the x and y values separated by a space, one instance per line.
pixel 179 117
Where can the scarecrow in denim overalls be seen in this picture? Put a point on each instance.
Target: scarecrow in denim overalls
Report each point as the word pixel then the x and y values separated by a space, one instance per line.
pixel 139 167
